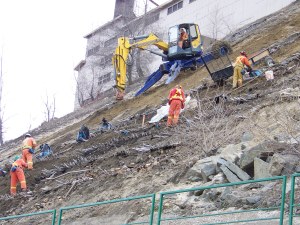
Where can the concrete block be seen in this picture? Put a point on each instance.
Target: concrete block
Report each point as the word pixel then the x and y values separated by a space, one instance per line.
pixel 231 177
pixel 236 170
pixel 261 169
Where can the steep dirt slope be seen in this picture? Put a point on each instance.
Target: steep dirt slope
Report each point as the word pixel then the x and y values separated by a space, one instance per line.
pixel 110 166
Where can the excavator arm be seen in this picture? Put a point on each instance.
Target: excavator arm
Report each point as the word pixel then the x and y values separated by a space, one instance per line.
pixel 121 55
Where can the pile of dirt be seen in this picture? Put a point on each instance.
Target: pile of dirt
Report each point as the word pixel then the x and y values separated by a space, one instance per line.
pixel 132 159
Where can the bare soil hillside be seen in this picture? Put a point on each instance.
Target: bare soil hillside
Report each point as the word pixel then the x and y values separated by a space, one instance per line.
pixel 135 160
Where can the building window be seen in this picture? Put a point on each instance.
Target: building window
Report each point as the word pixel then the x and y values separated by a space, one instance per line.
pixel 104 79
pixel 93 51
pixel 175 7
pixel 192 1
pixel 106 59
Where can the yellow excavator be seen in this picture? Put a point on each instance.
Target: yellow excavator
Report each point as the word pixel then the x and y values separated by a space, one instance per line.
pixel 184 43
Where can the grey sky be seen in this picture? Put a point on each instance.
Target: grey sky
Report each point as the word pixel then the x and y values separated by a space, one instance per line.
pixel 42 41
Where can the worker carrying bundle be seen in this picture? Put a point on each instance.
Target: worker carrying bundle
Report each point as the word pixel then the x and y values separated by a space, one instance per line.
pixel 28 147
pixel 176 102
pixel 17 175
pixel 240 62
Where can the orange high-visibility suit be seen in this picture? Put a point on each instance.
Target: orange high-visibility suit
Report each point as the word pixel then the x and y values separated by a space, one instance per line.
pixel 176 102
pixel 183 37
pixel 28 143
pixel 237 72
pixel 18 175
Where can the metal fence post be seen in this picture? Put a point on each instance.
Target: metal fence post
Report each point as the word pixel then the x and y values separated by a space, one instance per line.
pixel 292 200
pixel 160 208
pixel 152 209
pixel 60 216
pixel 54 217
pixel 282 200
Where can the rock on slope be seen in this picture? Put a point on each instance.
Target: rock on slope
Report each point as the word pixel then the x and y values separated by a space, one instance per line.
pixel 112 165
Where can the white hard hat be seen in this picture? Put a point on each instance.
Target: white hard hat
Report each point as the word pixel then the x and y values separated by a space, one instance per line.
pixel 27 135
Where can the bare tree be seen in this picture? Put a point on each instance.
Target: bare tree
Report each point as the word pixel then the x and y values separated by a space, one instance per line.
pixel 220 25
pixel 50 108
pixel 215 22
pixel 79 92
pixel 1 108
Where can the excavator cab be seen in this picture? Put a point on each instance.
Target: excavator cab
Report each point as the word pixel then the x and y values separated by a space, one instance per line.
pixel 184 41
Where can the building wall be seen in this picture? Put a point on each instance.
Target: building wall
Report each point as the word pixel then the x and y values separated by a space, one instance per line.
pixel 227 15
pixel 99 49
pixel 215 18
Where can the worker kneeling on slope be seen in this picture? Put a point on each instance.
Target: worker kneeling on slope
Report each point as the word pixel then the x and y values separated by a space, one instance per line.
pixel 176 102
pixel 17 175
pixel 240 62
pixel 83 134
pixel 28 147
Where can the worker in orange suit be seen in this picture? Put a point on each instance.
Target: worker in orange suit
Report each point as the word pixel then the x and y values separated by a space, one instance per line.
pixel 176 102
pixel 240 62
pixel 183 37
pixel 17 175
pixel 28 147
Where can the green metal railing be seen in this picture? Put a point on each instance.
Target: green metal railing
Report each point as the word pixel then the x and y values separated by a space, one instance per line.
pixel 150 222
pixel 292 199
pixel 280 208
pixel 53 212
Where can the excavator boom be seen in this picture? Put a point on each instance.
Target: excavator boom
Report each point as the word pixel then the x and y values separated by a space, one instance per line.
pixel 184 43
pixel 122 52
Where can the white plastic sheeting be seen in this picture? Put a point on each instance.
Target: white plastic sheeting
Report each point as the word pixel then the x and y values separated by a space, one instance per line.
pixel 164 111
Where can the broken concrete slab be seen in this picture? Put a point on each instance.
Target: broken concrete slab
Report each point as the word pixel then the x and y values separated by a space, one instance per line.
pixel 257 151
pixel 203 167
pixel 236 170
pixel 231 177
pixel 276 165
pixel 261 169
pixel 242 175
pixel 207 170
pixel 283 164
pixel 233 152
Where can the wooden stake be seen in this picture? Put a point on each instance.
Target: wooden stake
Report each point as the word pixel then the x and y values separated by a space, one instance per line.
pixel 144 116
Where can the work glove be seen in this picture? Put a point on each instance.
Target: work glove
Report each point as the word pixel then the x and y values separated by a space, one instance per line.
pixel 182 105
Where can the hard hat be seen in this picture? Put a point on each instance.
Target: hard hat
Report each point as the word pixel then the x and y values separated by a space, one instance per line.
pixel 243 53
pixel 17 157
pixel 27 135
pixel 183 29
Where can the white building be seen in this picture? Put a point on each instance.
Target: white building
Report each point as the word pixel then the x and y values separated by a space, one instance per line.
pixel 215 18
